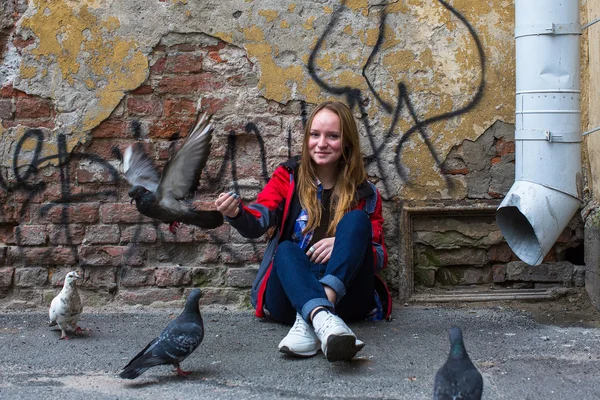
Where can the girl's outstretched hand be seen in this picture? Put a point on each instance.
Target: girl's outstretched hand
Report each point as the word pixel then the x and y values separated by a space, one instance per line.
pixel 228 204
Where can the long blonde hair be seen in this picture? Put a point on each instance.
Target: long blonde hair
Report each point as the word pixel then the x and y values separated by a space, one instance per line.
pixel 351 170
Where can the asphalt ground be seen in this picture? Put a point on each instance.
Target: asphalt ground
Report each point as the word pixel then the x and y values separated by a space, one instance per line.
pixel 518 357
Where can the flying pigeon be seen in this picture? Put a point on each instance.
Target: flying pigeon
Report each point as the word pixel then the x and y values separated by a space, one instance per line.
pixel 66 307
pixel 158 196
pixel 179 339
pixel 458 378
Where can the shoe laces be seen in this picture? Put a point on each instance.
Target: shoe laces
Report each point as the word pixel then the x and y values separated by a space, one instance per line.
pixel 329 322
pixel 300 326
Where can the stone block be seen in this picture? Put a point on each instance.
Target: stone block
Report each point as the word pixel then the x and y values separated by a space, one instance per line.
pixel 561 271
pixel 241 277
pixel 66 234
pixel 30 235
pixel 31 276
pixel 425 276
pixel 102 234
pixel 148 296
pixel 96 278
pixel 138 233
pixel 6 277
pixel 173 276
pixel 137 277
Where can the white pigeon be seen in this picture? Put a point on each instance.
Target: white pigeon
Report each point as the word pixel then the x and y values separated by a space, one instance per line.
pixel 66 307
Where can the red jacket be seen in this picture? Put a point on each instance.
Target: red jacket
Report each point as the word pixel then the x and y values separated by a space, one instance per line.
pixel 272 209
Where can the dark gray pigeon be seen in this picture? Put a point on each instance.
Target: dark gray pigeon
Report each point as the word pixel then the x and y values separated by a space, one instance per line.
pixel 179 339
pixel 159 197
pixel 458 378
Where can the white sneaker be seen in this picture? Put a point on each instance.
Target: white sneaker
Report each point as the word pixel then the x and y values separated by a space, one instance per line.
pixel 338 342
pixel 301 340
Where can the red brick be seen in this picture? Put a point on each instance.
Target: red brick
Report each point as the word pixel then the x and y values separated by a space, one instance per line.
pixel 213 104
pixel 101 255
pixel 144 106
pixel 62 256
pixel 215 56
pixel 139 233
pixel 221 234
pixel 6 109
pixel 159 66
pixel 208 253
pixel 31 276
pixel 186 47
pixel 220 45
pixel 21 43
pixel 27 255
pixel 241 253
pixel 8 91
pixel 179 107
pixel 102 234
pixel 30 235
pixel 173 276
pixel 22 196
pixel 112 129
pixel 461 171
pixel 32 107
pixel 495 160
pixel 75 213
pixel 184 234
pixel 135 256
pixel 144 89
pixel 188 84
pixel 503 147
pixel 38 123
pixel 6 277
pixel 136 277
pixel 165 129
pixel 184 63
pixel 116 213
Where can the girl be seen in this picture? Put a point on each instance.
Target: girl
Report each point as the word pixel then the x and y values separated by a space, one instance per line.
pixel 320 267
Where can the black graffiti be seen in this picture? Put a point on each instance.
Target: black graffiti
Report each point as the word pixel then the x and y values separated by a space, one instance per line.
pixel 26 174
pixel 355 98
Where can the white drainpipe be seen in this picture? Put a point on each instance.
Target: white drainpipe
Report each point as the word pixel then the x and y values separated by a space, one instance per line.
pixel 547 188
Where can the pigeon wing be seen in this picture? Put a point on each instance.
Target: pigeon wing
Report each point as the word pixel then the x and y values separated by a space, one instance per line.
pixel 139 169
pixel 179 341
pixel 182 173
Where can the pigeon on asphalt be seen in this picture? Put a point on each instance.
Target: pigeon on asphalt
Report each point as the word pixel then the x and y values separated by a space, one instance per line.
pixel 179 339
pixel 66 307
pixel 458 378
pixel 158 196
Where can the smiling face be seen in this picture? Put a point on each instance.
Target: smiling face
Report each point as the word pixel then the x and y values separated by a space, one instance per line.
pixel 325 140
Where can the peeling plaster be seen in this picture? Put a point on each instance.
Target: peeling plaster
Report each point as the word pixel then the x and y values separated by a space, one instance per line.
pixel 101 50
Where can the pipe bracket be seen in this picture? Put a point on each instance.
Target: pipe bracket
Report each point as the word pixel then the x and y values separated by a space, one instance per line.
pixel 547 135
pixel 548 29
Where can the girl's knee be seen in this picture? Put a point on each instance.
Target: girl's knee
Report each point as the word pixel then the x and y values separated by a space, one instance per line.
pixel 356 219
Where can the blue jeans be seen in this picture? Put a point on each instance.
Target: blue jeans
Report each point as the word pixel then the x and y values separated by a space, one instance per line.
pixel 296 284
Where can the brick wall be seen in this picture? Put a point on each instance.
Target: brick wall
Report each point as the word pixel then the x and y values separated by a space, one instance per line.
pixel 436 133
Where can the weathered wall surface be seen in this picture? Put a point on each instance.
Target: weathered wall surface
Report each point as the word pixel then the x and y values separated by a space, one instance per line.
pixel 431 81
pixel 592 142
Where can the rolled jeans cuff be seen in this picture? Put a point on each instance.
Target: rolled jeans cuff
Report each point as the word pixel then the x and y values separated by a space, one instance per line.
pixel 334 283
pixel 314 303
